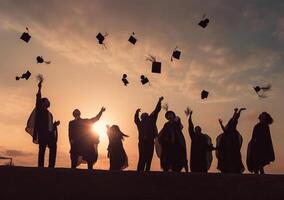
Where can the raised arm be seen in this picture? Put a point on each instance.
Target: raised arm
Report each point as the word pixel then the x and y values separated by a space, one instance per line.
pixel 38 95
pixel 190 125
pixel 136 116
pixel 97 118
pixel 158 107
pixel 221 124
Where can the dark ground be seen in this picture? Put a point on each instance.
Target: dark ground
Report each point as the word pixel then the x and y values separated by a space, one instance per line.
pixel 34 183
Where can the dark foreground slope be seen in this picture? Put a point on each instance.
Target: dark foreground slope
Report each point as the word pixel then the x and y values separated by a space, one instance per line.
pixel 33 183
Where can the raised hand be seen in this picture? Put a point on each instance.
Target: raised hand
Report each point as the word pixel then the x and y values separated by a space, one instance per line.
pixel 188 111
pixel 165 107
pixel 56 123
pixel 220 121
pixel 161 98
pixel 103 109
pixel 138 110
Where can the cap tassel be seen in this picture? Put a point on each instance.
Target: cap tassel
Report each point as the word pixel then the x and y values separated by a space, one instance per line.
pixel 151 58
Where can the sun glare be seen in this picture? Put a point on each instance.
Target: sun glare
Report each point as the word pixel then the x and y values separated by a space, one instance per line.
pixel 100 128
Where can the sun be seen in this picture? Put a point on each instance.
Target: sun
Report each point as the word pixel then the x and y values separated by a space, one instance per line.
pixel 100 128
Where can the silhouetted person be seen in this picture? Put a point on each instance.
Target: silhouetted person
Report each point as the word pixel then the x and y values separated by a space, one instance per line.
pixel 76 133
pixel 116 153
pixel 260 148
pixel 171 139
pixel 44 131
pixel 84 142
pixel 229 146
pixel 148 131
pixel 201 147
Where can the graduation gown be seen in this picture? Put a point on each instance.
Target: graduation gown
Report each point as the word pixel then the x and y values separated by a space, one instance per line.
pixel 173 147
pixel 228 152
pixel 116 153
pixel 260 148
pixel 40 124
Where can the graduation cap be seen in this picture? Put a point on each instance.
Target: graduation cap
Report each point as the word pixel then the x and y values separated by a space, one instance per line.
pixel 144 79
pixel 26 36
pixel 40 60
pixel 204 94
pixel 204 22
pixel 260 90
pixel 176 54
pixel 100 37
pixel 26 76
pixel 124 80
pixel 132 39
pixel 156 66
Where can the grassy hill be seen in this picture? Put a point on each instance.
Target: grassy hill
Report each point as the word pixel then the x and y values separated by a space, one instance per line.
pixel 34 183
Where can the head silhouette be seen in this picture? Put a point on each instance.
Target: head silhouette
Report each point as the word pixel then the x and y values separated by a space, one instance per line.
pixel 265 117
pixel 116 132
pixel 144 116
pixel 76 114
pixel 45 103
pixel 170 116
pixel 197 130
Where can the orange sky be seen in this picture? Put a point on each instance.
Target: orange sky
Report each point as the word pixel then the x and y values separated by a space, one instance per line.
pixel 242 47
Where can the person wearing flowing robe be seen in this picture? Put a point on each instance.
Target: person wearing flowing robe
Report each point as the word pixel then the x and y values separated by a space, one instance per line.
pixel 228 148
pixel 173 148
pixel 260 150
pixel 201 148
pixel 83 140
pixel 148 131
pixel 41 127
pixel 116 153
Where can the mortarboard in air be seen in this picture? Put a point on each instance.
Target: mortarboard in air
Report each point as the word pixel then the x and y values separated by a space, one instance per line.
pixel 40 60
pixel 176 54
pixel 204 94
pixel 26 76
pixel 156 66
pixel 204 22
pixel 260 90
pixel 144 79
pixel 124 80
pixel 101 38
pixel 26 36
pixel 132 39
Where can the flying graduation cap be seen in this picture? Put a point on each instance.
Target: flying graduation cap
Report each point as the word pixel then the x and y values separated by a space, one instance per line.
pixel 101 38
pixel 156 66
pixel 26 36
pixel 176 54
pixel 132 39
pixel 40 60
pixel 204 94
pixel 124 79
pixel 260 90
pixel 26 76
pixel 204 22
pixel 144 79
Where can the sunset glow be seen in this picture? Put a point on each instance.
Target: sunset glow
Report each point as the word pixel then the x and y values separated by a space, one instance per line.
pixel 100 128
pixel 242 47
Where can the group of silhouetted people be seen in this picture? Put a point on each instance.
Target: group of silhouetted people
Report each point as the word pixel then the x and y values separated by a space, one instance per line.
pixel 169 143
